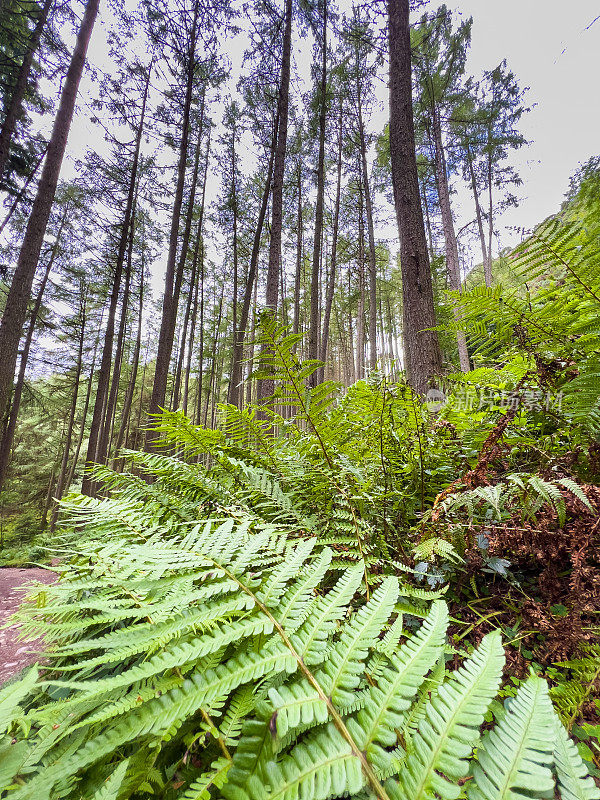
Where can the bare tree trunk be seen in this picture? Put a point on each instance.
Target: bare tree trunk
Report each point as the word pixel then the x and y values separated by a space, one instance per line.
pixel 184 253
pixel 423 358
pixel 98 415
pixel 239 335
pixel 315 287
pixel 62 473
pixel 16 101
pixel 425 205
pixel 211 388
pixel 332 273
pixel 198 414
pixel 265 387
pixel 393 365
pixel 298 275
pixel 171 296
pixel 490 215
pixel 125 413
pixel 360 322
pixel 19 293
pixel 452 262
pixel 251 358
pixel 193 322
pixel 370 231
pixel 86 405
pixel 111 404
pixel 487 265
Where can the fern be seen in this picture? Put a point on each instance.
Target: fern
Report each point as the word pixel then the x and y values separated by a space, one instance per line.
pixel 297 691
pixel 239 626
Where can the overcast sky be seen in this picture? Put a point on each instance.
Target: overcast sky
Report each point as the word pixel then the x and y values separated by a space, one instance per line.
pixel 553 48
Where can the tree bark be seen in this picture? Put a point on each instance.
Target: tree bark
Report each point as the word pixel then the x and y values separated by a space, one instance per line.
pixel 88 487
pixel 62 473
pixel 298 275
pixel 451 246
pixel 360 321
pixel 16 101
pixel 487 266
pixel 19 294
pixel 171 297
pixel 331 284
pixel 86 405
pixel 490 214
pixel 127 402
pixel 234 394
pixel 265 387
pixel 184 253
pixel 423 358
pixel 195 287
pixel 111 402
pixel 315 288
pixel 371 241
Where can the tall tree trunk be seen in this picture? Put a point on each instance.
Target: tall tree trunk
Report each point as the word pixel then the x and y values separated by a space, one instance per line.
pixel 62 473
pixel 13 110
pixel 423 358
pixel 487 265
pixel 210 397
pixel 8 434
pixel 171 297
pixel 84 413
pixel 360 321
pixel 111 402
pixel 490 214
pixel 198 414
pixel 19 293
pixel 88 487
pixel 315 287
pixel 370 230
pixel 451 246
pixel 234 394
pixel 251 357
pixel 332 273
pixel 425 205
pixel 265 387
pixel 195 286
pixel 298 275
pixel 234 203
pixel 127 402
pixel 184 253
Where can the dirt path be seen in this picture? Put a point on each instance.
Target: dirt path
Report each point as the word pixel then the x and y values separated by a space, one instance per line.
pixel 15 654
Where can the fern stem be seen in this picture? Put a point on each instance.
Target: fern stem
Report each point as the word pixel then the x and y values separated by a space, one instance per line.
pixel 374 782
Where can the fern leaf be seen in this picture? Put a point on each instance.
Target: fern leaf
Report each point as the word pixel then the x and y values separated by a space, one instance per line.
pixel 451 727
pixel 573 778
pixel 515 758
pixel 397 685
pixel 13 694
pixel 110 789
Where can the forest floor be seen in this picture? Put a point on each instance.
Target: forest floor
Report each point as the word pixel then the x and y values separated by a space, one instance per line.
pixel 16 654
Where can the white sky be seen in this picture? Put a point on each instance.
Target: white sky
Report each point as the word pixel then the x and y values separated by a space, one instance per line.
pixel 546 44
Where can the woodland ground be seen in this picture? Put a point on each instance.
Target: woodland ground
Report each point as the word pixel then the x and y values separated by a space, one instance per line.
pixel 15 654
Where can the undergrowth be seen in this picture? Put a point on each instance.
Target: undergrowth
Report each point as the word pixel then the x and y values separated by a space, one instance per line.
pixel 332 595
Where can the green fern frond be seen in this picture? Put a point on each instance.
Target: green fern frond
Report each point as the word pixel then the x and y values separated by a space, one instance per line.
pixel 515 758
